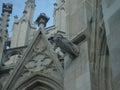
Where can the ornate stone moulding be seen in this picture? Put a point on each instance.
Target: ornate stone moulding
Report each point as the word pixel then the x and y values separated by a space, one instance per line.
pixel 40 81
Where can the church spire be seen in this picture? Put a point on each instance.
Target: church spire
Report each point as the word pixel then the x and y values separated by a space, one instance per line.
pixel 6 11
pixel 29 9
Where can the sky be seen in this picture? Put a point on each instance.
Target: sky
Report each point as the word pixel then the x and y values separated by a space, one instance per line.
pixel 45 6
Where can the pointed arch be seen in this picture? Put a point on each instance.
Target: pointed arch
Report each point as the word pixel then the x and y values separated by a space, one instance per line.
pixel 38 81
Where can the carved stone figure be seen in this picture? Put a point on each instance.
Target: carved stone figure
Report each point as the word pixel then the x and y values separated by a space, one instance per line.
pixel 65 45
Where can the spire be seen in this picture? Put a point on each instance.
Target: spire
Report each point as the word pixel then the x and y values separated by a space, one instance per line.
pixel 6 11
pixel 29 9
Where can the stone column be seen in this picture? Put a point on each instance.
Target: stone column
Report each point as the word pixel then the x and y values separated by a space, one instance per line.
pixel 6 11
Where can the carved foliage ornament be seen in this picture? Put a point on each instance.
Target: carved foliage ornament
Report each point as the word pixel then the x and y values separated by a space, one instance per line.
pixel 39 62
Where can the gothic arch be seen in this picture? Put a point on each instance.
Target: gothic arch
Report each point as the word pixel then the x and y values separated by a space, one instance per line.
pixel 40 82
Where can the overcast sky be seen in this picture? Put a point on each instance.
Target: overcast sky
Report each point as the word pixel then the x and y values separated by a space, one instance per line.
pixel 45 6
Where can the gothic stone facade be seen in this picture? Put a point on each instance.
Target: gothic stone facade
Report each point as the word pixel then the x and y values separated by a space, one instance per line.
pixel 79 52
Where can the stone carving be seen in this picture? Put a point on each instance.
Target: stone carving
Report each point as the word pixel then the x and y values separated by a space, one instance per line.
pixel 7 7
pixel 65 45
pixel 12 53
pixel 38 58
pixel 38 63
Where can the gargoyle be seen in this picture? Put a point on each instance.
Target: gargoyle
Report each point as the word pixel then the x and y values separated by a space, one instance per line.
pixel 65 45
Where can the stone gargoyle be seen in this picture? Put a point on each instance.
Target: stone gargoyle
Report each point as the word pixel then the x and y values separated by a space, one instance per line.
pixel 65 45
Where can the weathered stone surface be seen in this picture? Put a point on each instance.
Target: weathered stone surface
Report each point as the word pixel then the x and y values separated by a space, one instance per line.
pixel 85 23
pixel 109 2
pixel 114 48
pixel 65 45
pixel 38 58
pixel 112 24
pixel 76 73
pixel 75 17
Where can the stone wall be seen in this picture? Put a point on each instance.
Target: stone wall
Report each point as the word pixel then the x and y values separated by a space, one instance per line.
pixel 76 73
pixel 109 2
pixel 112 23
pixel 75 17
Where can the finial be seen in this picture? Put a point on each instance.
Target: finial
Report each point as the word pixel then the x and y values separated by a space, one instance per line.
pixel 7 7
pixel 32 1
pixel 16 17
pixel 55 4
pixel 42 19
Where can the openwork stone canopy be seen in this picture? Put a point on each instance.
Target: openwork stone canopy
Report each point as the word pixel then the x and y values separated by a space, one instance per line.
pixel 42 19
pixel 7 7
